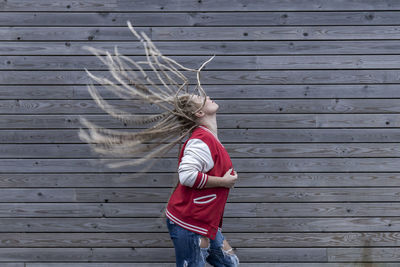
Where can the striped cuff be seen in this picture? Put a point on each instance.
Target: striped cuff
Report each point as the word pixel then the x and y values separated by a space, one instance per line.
pixel 201 180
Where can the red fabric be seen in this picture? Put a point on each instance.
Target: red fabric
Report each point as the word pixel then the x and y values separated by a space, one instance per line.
pixel 201 209
pixel 201 180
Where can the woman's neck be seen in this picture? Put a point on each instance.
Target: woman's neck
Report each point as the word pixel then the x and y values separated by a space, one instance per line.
pixel 211 124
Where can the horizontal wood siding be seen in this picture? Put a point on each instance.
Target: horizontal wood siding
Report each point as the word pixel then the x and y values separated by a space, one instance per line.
pixel 309 112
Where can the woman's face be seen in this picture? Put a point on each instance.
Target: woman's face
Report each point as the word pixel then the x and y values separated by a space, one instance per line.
pixel 210 107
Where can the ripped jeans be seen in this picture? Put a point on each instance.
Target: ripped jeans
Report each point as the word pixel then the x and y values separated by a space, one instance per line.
pixel 188 252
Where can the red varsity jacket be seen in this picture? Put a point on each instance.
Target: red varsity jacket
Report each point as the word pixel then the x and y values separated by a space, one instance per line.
pixel 192 206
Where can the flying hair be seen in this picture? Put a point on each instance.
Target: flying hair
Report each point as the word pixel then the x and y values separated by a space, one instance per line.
pixel 164 87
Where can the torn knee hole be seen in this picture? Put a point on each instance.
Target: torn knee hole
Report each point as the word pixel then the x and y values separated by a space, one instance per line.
pixel 227 248
pixel 229 251
pixel 204 242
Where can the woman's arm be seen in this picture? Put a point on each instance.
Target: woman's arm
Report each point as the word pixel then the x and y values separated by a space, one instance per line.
pixel 228 180
pixel 196 162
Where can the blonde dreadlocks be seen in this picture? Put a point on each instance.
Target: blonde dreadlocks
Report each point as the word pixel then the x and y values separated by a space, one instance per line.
pixel 168 127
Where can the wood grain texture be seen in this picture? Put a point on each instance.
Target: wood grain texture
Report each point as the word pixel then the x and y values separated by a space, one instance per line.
pixel 207 48
pixel 220 91
pixel 249 150
pixel 215 77
pixel 225 5
pixel 208 18
pixel 235 121
pixel 238 195
pixel 201 33
pixel 220 62
pixel 232 210
pixel 168 164
pixel 163 179
pixel 242 240
pixel 236 135
pixel 312 106
pixel 244 225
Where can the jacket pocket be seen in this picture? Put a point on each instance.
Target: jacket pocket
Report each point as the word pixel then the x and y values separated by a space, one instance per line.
pixel 205 199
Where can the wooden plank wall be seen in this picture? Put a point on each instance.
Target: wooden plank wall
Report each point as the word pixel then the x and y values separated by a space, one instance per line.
pixel 309 96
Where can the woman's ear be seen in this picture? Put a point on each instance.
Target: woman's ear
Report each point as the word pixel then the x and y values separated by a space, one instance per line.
pixel 199 114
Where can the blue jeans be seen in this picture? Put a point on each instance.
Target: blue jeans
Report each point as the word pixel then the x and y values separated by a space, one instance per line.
pixel 189 253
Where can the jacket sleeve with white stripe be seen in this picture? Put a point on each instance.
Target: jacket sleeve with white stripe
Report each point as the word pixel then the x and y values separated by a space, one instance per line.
pixel 195 163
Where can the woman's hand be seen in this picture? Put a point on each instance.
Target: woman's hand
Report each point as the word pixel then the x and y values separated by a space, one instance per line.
pixel 229 178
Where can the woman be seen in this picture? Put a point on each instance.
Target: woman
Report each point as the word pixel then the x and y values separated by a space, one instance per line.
pixel 195 209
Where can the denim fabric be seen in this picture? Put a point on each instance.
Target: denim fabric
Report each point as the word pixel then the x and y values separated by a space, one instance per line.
pixel 188 252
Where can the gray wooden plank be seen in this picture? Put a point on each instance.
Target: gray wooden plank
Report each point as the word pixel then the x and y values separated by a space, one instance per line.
pixel 224 121
pixel 363 254
pixel 225 5
pixel 233 210
pixel 258 33
pixel 245 254
pixel 314 106
pixel 57 77
pixel 331 135
pixel 233 91
pixel 241 106
pixel 52 210
pixel 305 135
pixel 109 210
pixel 348 150
pixel 304 239
pixel 308 150
pixel 93 180
pixel 354 224
pixel 33 195
pixel 118 33
pixel 85 254
pixel 155 180
pixel 240 225
pixel 265 209
pixel 316 179
pixel 237 195
pixel 242 240
pixel 283 18
pixel 195 47
pixel 259 62
pixel 238 121
pixel 79 240
pixel 169 165
pixel 152 255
